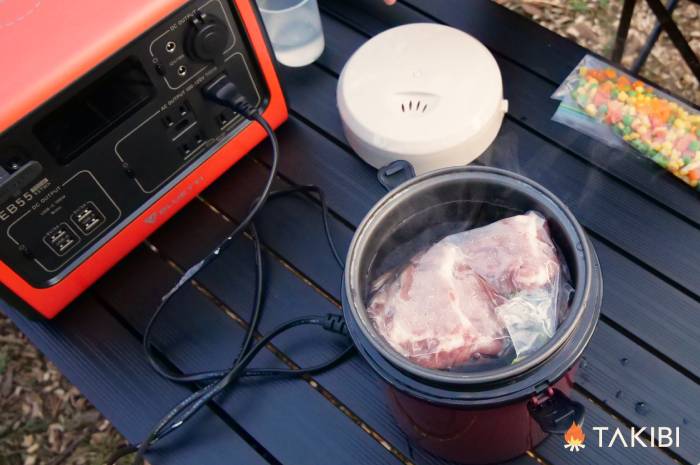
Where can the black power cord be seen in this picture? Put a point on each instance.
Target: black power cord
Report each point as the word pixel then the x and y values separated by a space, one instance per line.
pixel 224 92
pixel 258 297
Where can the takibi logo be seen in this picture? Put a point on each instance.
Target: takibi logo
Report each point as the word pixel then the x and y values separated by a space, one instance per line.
pixel 574 438
pixel 645 436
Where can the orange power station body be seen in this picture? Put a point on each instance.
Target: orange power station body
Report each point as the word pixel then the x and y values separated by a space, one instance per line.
pixel 105 132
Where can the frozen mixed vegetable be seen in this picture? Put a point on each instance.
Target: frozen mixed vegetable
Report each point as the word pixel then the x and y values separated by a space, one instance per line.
pixel 655 124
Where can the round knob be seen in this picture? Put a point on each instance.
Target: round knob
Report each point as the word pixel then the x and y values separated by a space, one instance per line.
pixel 207 38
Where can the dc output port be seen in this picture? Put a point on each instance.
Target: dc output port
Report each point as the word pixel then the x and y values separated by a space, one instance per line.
pixel 170 46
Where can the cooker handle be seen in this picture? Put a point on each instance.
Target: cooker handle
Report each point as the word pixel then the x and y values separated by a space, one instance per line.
pixel 555 412
pixel 395 173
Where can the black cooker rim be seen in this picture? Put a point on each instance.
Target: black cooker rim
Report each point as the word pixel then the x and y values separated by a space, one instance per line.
pixel 377 351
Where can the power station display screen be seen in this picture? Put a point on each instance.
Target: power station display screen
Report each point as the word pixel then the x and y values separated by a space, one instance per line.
pixel 87 116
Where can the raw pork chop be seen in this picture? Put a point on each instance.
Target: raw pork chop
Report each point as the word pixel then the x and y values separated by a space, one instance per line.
pixel 439 311
pixel 513 254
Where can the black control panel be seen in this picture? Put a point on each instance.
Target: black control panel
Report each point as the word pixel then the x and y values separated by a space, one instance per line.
pixel 81 167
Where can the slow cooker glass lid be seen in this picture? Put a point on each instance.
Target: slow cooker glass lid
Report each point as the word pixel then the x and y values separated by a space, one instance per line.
pixel 411 221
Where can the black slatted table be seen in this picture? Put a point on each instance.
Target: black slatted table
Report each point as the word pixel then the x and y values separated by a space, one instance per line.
pixel 641 369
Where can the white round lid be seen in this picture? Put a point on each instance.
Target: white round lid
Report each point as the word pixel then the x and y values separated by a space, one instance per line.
pixel 420 89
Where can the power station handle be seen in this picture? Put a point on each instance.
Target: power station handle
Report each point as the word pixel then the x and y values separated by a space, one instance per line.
pixel 12 184
pixel 555 412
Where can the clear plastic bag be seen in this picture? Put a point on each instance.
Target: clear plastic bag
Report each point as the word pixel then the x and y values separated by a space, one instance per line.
pixel 611 106
pixel 495 293
pixel 531 320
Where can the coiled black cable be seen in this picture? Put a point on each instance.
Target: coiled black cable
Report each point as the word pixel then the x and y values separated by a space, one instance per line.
pixel 223 91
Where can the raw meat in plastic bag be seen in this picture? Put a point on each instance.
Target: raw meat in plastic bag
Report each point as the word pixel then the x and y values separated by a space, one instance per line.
pixel 438 312
pixel 512 254
pixel 472 294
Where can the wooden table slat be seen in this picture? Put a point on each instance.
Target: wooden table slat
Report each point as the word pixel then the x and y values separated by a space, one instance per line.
pixel 287 417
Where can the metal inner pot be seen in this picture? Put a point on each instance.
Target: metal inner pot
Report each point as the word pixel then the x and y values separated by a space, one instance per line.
pixel 422 211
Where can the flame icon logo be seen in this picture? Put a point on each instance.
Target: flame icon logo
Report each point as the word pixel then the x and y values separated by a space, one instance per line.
pixel 574 438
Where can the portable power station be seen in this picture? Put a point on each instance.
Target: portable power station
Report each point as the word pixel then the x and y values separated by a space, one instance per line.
pixel 104 130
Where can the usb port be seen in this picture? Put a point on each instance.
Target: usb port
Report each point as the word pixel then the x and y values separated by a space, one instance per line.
pixel 61 239
pixel 87 218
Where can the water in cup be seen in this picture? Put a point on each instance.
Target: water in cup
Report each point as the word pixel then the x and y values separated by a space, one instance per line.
pixel 295 30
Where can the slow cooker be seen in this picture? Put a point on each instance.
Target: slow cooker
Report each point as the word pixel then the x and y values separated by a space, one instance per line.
pixel 497 413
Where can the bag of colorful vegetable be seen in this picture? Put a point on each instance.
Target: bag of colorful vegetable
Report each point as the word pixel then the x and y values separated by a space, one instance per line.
pixel 617 109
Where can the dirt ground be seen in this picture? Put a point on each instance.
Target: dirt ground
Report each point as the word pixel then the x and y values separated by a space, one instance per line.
pixel 593 23
pixel 45 420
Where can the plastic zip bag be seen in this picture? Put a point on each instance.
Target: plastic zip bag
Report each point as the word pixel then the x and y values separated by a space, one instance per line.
pixel 495 293
pixel 531 320
pixel 611 106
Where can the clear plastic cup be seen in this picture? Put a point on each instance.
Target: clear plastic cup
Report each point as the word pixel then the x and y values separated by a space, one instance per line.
pixel 294 27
